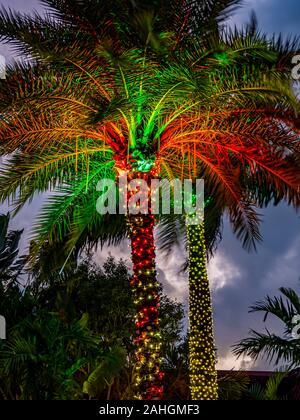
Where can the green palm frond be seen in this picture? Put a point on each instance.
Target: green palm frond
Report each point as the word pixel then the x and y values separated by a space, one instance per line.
pixel 256 392
pixel 110 366
pixel 95 82
pixel 272 386
pixel 171 232
pixel 74 200
pixel 282 309
pixel 274 347
pixel 271 347
pixel 19 351
pixel 24 175
pixel 292 297
pixel 233 386
pixel 271 390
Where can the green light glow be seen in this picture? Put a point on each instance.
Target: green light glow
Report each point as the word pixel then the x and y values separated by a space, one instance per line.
pixel 222 58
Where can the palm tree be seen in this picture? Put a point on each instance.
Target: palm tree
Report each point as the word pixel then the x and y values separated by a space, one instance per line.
pixel 137 95
pixel 243 182
pixel 276 348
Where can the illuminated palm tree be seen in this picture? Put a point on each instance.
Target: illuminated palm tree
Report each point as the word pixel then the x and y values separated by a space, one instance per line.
pixel 95 104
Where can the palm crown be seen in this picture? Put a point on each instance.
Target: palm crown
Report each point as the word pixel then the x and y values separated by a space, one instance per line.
pixel 99 114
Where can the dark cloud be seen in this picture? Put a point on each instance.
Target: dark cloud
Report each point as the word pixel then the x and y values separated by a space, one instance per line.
pixel 22 6
pixel 275 264
pixel 274 16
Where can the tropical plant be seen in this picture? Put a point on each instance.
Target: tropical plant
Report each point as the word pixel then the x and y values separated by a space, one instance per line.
pixel 270 392
pixel 147 90
pixel 42 355
pixel 11 270
pixel 276 348
pixel 69 337
pixel 237 386
pixel 105 373
pixel 233 386
pixel 176 368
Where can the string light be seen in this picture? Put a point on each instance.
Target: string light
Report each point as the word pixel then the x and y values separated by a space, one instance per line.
pixel 203 375
pixel 148 344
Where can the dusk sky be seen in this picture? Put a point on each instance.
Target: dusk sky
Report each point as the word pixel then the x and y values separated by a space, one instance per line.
pixel 238 279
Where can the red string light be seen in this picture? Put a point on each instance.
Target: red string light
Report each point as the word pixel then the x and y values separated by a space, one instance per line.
pixel 145 287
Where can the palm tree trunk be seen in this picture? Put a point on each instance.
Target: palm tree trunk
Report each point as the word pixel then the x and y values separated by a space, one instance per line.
pixel 203 375
pixel 146 295
pixel 109 390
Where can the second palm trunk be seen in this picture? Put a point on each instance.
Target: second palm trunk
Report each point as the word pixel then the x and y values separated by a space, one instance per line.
pixel 203 375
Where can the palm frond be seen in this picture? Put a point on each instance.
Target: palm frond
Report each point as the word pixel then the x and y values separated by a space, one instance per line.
pixel 271 347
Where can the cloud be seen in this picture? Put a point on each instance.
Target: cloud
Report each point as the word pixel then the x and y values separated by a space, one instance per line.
pixel 274 16
pixel 28 6
pixel 169 269
pixel 173 279
pixel 230 362
pixel 287 266
pixel 24 219
pixel 222 272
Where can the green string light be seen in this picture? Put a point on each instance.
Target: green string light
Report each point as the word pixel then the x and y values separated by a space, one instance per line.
pixel 203 376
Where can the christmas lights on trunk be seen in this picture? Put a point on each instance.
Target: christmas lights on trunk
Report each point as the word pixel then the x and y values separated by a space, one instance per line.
pixel 203 375
pixel 148 376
